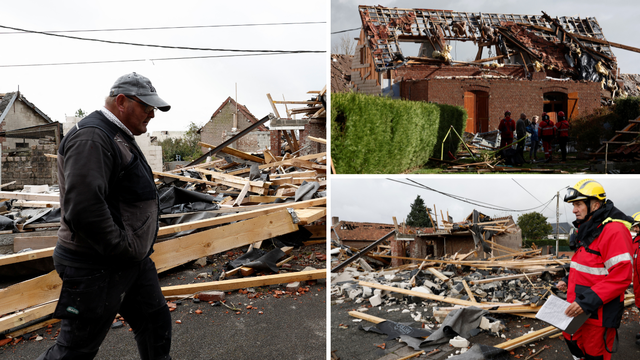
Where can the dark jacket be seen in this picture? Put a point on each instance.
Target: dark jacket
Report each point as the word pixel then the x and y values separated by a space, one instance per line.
pixel 108 199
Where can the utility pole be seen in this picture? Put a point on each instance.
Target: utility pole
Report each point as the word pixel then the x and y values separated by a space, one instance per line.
pixel 557 221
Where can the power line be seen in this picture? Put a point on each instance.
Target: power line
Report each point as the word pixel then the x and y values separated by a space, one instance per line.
pixel 135 60
pixel 526 190
pixel 341 31
pixel 163 46
pixel 471 201
pixel 166 27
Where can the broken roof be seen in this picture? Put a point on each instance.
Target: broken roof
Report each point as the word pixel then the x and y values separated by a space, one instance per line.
pixel 550 42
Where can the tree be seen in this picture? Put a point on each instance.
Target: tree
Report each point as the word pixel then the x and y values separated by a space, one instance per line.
pixel 80 113
pixel 534 226
pixel 418 215
pixel 186 147
pixel 346 45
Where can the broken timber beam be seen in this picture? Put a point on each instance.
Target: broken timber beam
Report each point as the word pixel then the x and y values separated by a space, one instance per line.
pixel 172 229
pixel 234 284
pixel 527 338
pixel 438 274
pixel 29 196
pixel 237 153
pixel 362 252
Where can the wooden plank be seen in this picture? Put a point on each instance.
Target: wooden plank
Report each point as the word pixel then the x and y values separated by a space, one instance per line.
pixel 32 328
pixel 235 284
pixel 36 204
pixel 317 231
pixel 23 317
pixel 29 255
pixel 469 292
pixel 438 274
pixel 258 190
pixel 527 338
pixel 34 242
pixel 171 253
pixel 264 198
pixel 273 106
pixel 29 196
pixel 294 141
pixel 165 230
pixel 243 193
pixel 310 215
pixel 30 293
pixel 508 277
pixel 318 140
pixel 231 151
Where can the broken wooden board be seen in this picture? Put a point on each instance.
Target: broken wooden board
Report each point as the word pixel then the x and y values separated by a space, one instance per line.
pixel 235 284
pixel 30 293
pixel 237 153
pixel 23 317
pixel 29 196
pixel 318 140
pixel 171 253
pixel 26 256
pixel 33 242
pixel 527 338
pixel 309 215
pixel 32 328
pixel 165 230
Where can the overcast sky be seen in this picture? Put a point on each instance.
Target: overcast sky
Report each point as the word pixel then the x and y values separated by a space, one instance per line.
pixel 194 88
pixel 618 19
pixel 377 199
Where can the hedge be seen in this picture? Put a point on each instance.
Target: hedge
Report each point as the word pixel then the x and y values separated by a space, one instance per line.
pixel 375 135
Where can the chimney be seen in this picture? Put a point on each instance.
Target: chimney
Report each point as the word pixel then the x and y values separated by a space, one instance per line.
pixel 335 220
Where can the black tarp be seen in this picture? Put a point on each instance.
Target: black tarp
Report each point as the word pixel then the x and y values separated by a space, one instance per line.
pixel 258 259
pixel 175 200
pixel 587 68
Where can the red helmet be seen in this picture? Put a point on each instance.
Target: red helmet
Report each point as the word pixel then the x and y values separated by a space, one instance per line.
pixel 507 113
pixel 561 113
pixel 545 116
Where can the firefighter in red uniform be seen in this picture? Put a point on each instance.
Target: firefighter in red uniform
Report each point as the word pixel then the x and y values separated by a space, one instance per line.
pixel 600 272
pixel 636 266
pixel 507 127
pixel 546 132
pixel 563 134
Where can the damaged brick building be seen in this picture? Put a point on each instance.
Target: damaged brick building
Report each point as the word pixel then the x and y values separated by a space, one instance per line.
pixel 535 63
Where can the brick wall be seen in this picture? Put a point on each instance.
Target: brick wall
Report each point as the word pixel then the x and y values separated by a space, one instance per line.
pixel 516 95
pixel 252 142
pixel 30 168
pixel 219 127
pixel 316 128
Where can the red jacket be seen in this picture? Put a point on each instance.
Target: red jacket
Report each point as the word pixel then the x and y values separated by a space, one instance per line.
pixel 507 127
pixel 563 128
pixel 636 269
pixel 546 129
pixel 601 270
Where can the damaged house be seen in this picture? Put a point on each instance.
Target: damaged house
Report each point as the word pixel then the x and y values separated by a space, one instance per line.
pixel 524 63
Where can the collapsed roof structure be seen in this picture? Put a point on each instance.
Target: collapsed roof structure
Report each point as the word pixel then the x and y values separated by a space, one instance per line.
pixel 567 61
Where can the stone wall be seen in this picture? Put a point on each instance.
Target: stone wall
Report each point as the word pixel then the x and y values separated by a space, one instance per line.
pixel 30 167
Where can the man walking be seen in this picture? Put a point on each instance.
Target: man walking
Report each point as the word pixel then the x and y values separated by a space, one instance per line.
pixel 109 223
pixel 600 272
pixel 563 134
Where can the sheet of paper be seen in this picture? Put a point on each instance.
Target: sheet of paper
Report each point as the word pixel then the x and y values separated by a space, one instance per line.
pixel 552 312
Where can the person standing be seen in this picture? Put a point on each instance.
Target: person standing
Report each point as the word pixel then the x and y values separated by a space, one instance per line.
pixel 547 131
pixel 533 130
pixel 507 127
pixel 636 267
pixel 109 223
pixel 563 134
pixel 521 133
pixel 600 272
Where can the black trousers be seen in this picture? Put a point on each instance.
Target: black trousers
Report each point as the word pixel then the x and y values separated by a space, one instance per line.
pixel 563 147
pixel 90 300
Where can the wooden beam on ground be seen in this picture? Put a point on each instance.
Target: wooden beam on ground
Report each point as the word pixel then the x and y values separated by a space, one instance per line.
pixel 172 229
pixel 36 204
pixel 30 293
pixel 33 242
pixel 264 198
pixel 469 292
pixel 507 277
pixel 438 274
pixel 235 284
pixel 26 256
pixel 171 253
pixel 32 328
pixel 527 338
pixel 310 215
pixel 29 196
pixel 23 317
pixel 236 181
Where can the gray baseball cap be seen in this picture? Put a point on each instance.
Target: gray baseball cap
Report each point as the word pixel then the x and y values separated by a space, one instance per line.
pixel 139 86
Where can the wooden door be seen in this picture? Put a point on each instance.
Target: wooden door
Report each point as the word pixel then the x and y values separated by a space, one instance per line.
pixel 470 106
pixel 572 105
pixel 482 111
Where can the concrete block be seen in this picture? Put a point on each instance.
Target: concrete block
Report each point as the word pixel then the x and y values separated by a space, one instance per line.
pixel 459 342
pixel 375 300
pixel 293 287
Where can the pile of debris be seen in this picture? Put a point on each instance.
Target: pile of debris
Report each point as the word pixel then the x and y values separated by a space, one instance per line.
pixel 206 209
pixel 452 300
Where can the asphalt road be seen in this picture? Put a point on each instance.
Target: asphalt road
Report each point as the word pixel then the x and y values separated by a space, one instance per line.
pixel 290 327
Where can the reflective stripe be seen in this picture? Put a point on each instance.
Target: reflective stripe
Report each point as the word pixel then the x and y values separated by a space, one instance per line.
pixel 617 259
pixel 589 270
